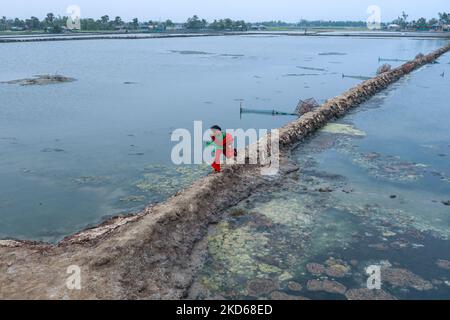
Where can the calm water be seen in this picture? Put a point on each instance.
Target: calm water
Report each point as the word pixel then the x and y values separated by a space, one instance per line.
pixel 370 191
pixel 72 154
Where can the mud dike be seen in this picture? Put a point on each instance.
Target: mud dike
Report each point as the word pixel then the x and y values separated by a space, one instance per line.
pixel 156 253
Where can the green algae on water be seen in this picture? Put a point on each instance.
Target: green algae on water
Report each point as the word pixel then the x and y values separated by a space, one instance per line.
pixel 167 180
pixel 339 128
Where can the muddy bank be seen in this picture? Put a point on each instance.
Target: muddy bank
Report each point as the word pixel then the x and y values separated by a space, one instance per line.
pixel 150 255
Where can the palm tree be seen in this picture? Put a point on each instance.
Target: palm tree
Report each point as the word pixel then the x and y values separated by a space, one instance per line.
pixel 444 18
pixel 118 21
pixel 50 17
pixel 104 19
pixel 135 23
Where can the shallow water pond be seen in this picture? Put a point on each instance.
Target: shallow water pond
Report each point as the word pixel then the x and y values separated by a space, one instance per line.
pixel 74 153
pixel 371 191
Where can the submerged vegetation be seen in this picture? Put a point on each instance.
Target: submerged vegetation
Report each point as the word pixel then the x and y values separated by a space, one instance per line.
pixel 294 242
pixel 165 180
pixel 322 228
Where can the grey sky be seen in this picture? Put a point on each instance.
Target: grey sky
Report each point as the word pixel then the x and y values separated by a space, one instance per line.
pixel 251 10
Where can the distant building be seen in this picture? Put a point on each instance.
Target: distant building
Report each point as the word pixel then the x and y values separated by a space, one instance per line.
pixel 143 26
pixel 436 27
pixel 17 28
pixel 175 27
pixel 259 27
pixel 394 27
pixel 159 27
pixel 121 28
pixel 440 27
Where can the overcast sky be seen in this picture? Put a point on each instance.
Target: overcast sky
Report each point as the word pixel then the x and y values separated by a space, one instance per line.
pixel 250 10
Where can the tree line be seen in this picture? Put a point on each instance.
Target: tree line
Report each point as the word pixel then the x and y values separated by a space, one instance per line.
pixel 422 23
pixel 223 24
pixel 55 24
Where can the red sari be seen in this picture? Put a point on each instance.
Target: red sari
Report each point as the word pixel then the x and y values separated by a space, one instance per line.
pixel 222 143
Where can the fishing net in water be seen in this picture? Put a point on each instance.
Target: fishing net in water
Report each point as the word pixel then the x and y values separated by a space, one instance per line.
pixel 384 68
pixel 305 106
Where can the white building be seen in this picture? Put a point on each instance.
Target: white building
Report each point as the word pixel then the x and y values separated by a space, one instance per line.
pixel 394 27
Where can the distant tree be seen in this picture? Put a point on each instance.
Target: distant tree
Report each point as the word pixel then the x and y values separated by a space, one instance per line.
pixel 104 19
pixel 432 22
pixel 57 28
pixel 57 24
pixel 421 24
pixel 3 24
pixel 89 24
pixel 195 23
pixel 216 25
pixel 49 18
pixel 169 23
pixel 240 25
pixel 402 21
pixel 118 21
pixel 405 16
pixel 33 23
pixel 51 23
pixel 104 23
pixel 135 23
pixel 48 21
pixel 444 18
pixel 228 24
pixel 18 23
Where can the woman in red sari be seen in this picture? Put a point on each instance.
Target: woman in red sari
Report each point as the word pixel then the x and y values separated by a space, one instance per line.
pixel 223 144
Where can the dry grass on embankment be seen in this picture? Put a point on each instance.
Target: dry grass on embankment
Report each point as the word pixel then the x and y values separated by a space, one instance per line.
pixel 155 254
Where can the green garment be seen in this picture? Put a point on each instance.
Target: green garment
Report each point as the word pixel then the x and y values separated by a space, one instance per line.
pixel 216 146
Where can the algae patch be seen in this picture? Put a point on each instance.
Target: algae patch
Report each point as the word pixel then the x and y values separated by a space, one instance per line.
pixel 236 250
pixel 166 180
pixel 338 128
